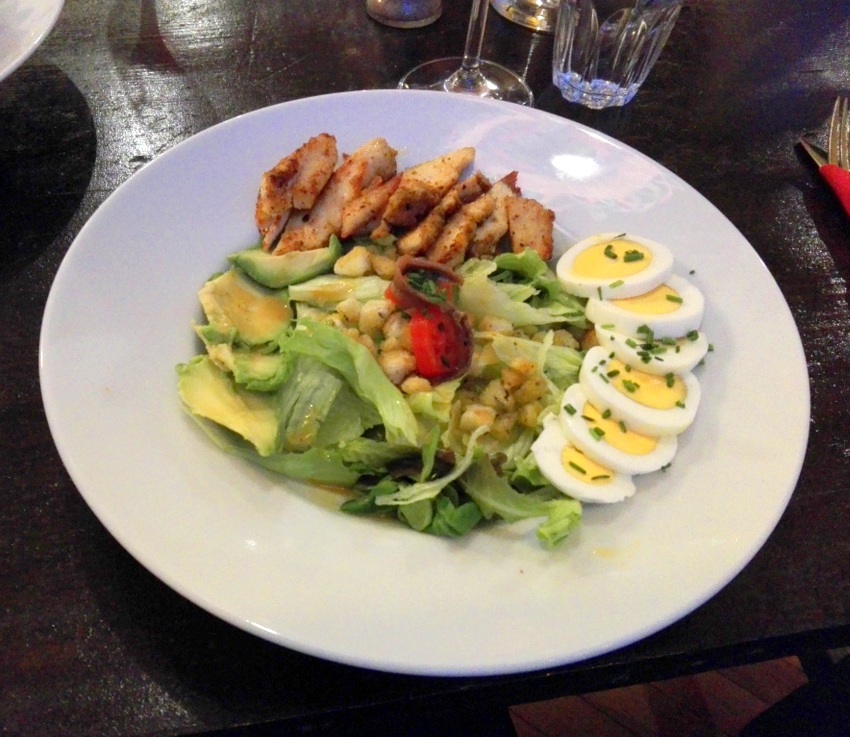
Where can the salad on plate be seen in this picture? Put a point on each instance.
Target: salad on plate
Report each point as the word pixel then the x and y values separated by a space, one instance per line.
pixel 404 336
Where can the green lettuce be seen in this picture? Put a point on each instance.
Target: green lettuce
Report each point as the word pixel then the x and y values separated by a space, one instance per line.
pixel 360 369
pixel 495 497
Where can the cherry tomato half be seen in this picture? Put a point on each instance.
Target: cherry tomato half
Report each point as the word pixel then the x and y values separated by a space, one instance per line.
pixel 441 346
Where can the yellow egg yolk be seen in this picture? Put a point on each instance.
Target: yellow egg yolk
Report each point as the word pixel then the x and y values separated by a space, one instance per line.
pixel 659 301
pixel 616 434
pixel 577 464
pixel 650 390
pixel 612 260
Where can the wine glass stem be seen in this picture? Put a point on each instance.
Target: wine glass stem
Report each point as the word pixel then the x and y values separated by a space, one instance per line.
pixel 475 37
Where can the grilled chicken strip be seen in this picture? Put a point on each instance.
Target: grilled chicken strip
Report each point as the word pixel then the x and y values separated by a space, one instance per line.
pixel 424 185
pixel 295 182
pixel 372 163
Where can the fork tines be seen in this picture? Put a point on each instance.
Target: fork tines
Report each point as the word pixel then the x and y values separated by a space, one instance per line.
pixel 839 135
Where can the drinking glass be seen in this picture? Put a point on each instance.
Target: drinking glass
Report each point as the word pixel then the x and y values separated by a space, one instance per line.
pixel 604 49
pixel 539 15
pixel 470 74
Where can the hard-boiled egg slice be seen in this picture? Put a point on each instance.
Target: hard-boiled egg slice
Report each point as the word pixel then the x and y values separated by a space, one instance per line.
pixel 670 310
pixel 612 265
pixel 655 356
pixel 608 440
pixel 655 404
pixel 575 474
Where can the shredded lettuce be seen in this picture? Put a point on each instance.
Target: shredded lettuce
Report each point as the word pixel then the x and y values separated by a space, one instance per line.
pixel 331 289
pixel 423 490
pixel 520 288
pixel 495 497
pixel 360 369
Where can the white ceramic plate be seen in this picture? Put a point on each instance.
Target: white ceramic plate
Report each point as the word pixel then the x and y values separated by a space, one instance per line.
pixel 24 24
pixel 276 558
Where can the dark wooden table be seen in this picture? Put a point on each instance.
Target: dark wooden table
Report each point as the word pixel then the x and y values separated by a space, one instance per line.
pixel 93 644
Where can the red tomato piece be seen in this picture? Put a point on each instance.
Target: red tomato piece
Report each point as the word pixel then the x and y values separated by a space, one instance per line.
pixel 439 344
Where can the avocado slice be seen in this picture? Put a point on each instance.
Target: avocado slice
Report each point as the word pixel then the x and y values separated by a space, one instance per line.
pixel 294 267
pixel 209 392
pixel 236 306
pixel 253 369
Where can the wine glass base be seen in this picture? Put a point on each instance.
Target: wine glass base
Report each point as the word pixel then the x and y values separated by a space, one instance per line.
pixel 489 80
pixel 538 15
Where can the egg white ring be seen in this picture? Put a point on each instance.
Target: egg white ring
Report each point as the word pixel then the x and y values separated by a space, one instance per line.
pixel 578 432
pixel 547 450
pixel 638 417
pixel 687 317
pixel 675 359
pixel 657 272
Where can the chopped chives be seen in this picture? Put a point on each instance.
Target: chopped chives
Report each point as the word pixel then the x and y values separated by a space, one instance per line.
pixel 597 432
pixel 606 414
pixel 623 427
pixel 600 477
pixel 680 404
pixel 633 255
pixel 630 386
pixel 612 373
pixel 610 252
pixel 693 335
pixel 577 467
pixel 671 380
pixel 569 409
pixel 615 284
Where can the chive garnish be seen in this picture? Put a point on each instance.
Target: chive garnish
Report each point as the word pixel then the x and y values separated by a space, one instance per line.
pixel 671 380
pixel 569 409
pixel 612 373
pixel 630 386
pixel 615 284
pixel 674 298
pixel 597 432
pixel 610 252
pixel 623 427
pixel 577 467
pixel 600 477
pixel 606 414
pixel 632 255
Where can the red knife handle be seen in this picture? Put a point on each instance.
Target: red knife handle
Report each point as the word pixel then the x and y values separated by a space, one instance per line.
pixel 839 180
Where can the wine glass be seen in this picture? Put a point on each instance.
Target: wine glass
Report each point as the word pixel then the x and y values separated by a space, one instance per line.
pixel 470 73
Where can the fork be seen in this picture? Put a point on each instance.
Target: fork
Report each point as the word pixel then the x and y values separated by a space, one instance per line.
pixel 834 163
pixel 838 148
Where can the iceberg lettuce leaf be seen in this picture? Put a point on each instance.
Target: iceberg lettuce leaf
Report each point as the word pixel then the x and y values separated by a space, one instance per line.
pixel 495 497
pixel 360 369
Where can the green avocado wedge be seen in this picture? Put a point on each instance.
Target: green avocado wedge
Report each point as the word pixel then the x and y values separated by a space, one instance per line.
pixel 208 392
pixel 276 272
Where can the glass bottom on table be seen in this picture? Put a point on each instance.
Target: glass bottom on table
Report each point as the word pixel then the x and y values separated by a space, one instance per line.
pixel 539 15
pixel 487 79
